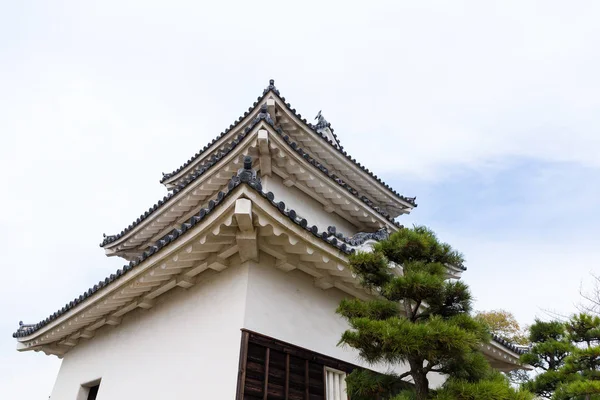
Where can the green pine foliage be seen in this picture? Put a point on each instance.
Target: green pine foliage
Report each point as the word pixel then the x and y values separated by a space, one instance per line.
pixel 568 353
pixel 494 387
pixel 550 346
pixel 421 320
pixel 580 373
pixel 368 385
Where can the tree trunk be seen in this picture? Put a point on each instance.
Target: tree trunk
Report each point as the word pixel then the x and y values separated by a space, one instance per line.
pixel 421 385
pixel 420 379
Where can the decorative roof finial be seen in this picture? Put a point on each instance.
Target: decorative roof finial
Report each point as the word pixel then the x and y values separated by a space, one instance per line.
pixel 321 121
pixel 246 173
pixel 247 162
pixel 271 87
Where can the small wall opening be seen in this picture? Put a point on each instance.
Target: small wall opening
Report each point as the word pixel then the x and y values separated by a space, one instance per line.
pixel 89 390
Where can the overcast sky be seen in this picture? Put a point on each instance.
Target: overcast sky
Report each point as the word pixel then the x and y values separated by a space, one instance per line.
pixel 488 112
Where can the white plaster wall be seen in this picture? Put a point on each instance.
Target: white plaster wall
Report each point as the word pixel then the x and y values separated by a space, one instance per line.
pixel 307 207
pixel 288 307
pixel 186 346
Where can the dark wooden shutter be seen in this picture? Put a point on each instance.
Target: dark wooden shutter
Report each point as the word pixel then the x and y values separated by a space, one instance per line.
pixel 275 370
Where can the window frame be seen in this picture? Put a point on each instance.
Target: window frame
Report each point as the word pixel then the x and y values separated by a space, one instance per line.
pixel 343 390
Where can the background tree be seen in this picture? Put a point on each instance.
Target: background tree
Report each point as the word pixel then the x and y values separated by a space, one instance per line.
pixel 580 374
pixel 504 325
pixel 421 320
pixel 550 345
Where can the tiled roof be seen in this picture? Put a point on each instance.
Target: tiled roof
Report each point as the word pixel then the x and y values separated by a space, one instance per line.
pixel 340 149
pixel 200 170
pixel 245 176
pixel 208 146
pixel 360 237
pixel 510 346
pixel 339 181
pixel 190 178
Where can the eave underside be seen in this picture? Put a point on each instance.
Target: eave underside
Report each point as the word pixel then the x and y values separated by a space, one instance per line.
pixel 502 358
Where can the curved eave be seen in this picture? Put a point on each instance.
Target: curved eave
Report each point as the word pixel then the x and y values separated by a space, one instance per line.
pixel 502 357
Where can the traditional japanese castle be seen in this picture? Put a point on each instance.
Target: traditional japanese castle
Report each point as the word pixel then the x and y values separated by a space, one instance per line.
pixel 233 278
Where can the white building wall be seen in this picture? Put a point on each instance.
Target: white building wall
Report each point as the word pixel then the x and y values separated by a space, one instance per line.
pixel 186 346
pixel 288 307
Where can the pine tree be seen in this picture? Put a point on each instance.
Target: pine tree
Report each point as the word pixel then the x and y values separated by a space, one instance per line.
pixel 580 374
pixel 550 345
pixel 421 320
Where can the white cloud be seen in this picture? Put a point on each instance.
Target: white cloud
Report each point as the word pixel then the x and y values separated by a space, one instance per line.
pixel 528 277
pixel 98 99
pixel 440 84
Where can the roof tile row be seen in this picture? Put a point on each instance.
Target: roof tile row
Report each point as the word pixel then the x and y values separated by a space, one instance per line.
pixel 511 346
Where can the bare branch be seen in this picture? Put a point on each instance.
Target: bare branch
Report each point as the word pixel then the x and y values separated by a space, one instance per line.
pixel 591 298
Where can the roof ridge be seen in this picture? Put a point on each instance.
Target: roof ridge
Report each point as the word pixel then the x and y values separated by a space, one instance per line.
pixel 245 176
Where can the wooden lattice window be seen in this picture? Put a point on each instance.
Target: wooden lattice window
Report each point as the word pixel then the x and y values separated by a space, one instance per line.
pixel 274 370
